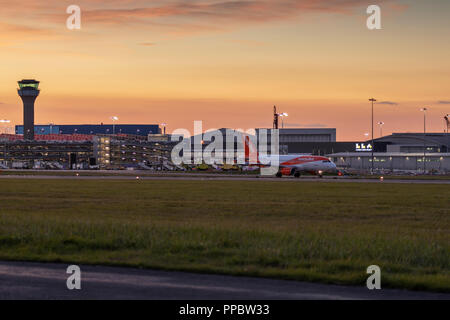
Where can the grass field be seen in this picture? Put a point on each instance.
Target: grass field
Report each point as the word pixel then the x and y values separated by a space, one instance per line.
pixel 327 232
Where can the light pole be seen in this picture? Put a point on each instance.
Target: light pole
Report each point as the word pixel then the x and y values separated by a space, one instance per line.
pixel 373 147
pixel 282 115
pixel 4 146
pixel 424 110
pixel 277 115
pixel 114 119
pixel 447 122
pixel 381 124
pixel 5 121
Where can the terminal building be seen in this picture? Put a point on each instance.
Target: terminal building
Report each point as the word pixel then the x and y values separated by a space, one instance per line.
pixel 291 141
pixel 414 142
pixel 399 152
pixel 303 140
pixel 315 141
pixel 297 135
pixel 396 152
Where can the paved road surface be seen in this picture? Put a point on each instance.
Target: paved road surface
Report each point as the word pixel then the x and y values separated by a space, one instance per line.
pixel 26 280
pixel 221 178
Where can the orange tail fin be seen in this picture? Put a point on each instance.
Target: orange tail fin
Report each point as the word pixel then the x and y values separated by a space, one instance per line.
pixel 251 151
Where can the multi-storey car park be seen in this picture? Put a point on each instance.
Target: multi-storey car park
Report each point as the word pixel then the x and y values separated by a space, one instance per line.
pixel 84 152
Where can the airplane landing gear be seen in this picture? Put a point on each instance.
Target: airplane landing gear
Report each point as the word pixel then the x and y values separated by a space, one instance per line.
pixel 297 174
pixel 279 174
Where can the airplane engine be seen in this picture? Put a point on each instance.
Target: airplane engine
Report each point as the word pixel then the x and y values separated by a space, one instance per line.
pixel 287 171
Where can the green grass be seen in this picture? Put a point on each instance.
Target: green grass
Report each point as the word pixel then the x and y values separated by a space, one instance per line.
pixel 327 232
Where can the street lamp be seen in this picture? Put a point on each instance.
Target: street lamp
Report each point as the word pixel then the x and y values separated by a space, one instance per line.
pixel 447 122
pixel 5 121
pixel 424 110
pixel 276 115
pixel 114 119
pixel 373 147
pixel 381 124
pixel 282 115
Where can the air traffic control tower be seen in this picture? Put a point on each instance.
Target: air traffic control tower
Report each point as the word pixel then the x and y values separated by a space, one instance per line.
pixel 28 91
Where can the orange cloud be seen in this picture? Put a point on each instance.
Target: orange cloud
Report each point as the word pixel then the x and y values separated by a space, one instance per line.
pixel 148 44
pixel 12 33
pixel 184 16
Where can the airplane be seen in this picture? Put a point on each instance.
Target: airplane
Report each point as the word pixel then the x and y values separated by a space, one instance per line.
pixel 294 164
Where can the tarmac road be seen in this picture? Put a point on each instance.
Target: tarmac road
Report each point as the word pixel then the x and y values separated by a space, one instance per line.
pixel 222 178
pixel 29 280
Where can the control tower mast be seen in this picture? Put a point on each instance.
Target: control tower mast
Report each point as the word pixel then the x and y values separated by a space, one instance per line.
pixel 28 91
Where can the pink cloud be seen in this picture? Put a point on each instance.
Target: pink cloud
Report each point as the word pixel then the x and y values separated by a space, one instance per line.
pixel 235 11
pixel 189 16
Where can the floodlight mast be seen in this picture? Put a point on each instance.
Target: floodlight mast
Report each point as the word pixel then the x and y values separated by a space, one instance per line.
pixel 424 110
pixel 373 147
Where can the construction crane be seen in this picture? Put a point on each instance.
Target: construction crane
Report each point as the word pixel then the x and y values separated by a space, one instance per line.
pixel 276 117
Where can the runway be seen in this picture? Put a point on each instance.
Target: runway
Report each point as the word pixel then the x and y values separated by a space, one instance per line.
pixel 28 280
pixel 182 177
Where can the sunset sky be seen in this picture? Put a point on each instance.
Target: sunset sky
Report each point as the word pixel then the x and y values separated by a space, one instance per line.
pixel 228 62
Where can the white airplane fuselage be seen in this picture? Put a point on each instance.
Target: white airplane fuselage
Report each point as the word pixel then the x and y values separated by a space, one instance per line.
pixel 291 164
